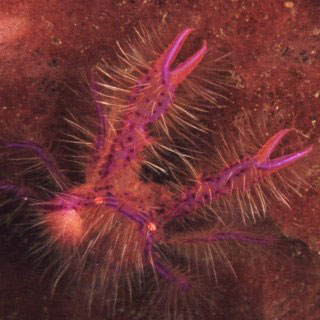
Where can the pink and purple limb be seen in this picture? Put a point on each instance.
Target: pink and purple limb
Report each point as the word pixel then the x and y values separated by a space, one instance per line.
pixel 150 99
pixel 240 176
pixel 45 158
pixel 49 163
pixel 20 192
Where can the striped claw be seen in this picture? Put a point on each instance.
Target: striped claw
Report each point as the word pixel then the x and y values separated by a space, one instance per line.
pixel 151 98
pixel 240 176
pixel 176 76
pixel 270 166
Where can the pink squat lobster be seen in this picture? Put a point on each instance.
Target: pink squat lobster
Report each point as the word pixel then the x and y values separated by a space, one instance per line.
pixel 112 189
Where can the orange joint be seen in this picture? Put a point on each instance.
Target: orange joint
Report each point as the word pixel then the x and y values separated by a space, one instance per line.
pixel 98 200
pixel 152 227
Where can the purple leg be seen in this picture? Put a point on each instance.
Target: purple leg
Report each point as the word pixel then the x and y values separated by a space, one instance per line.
pixel 160 268
pixel 169 275
pixel 21 192
pixel 48 161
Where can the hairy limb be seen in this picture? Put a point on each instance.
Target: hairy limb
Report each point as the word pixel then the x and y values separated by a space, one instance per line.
pixel 60 179
pixel 19 191
pixel 240 176
pixel 149 100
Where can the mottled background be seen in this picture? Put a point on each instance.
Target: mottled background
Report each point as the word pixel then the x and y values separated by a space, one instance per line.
pixel 47 49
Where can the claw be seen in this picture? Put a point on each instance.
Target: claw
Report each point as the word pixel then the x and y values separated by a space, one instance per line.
pixel 240 176
pixel 265 152
pixel 150 99
pixel 263 156
pixel 174 77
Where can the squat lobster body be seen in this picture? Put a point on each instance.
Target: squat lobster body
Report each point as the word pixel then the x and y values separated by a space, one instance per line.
pixel 117 222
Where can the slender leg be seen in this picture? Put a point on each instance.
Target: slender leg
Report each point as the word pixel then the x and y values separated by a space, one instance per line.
pixel 19 191
pixel 45 157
